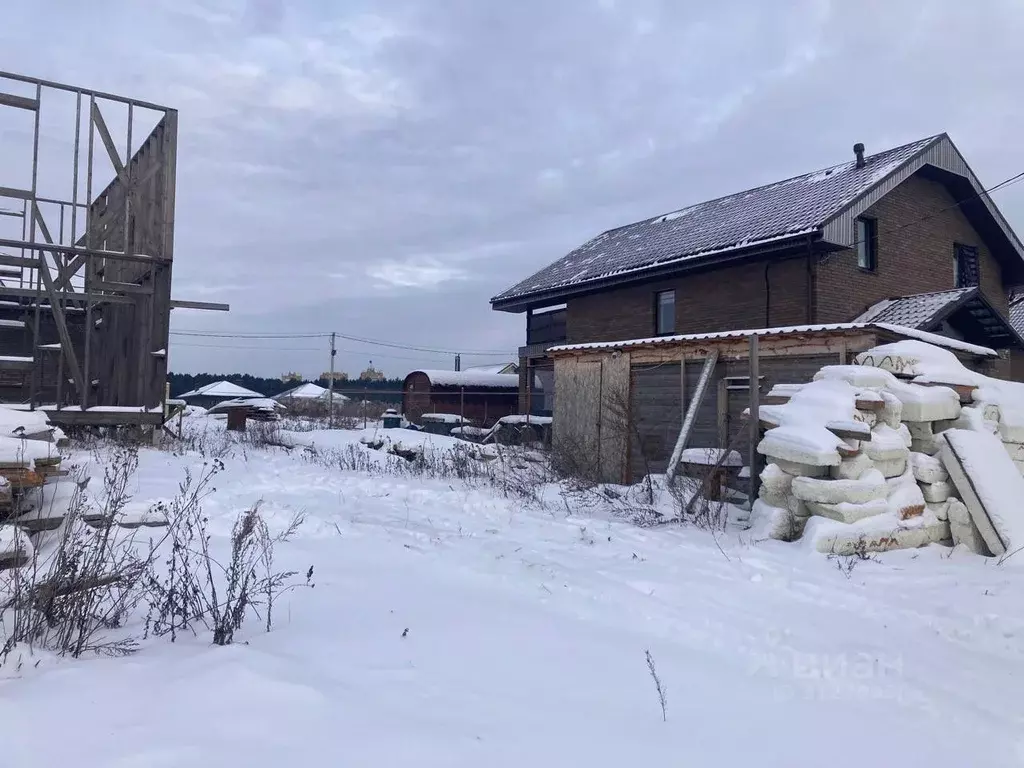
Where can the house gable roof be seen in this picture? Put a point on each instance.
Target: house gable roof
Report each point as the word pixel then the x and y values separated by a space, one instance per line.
pixel 221 389
pixel 965 310
pixel 820 205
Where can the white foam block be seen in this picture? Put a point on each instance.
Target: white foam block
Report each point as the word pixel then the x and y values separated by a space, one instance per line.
pixel 845 512
pixel 827 491
pixel 852 468
pixel 989 484
pixel 927 469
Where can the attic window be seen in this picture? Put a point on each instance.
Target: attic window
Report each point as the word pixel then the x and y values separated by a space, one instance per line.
pixel 866 242
pixel 965 263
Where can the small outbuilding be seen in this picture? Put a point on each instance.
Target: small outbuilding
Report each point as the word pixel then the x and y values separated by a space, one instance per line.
pixel 216 393
pixel 480 397
pixel 620 405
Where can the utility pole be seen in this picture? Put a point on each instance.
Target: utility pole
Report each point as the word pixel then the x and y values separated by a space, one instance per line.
pixel 330 386
pixel 458 362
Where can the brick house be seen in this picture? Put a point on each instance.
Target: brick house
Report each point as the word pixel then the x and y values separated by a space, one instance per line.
pixel 841 244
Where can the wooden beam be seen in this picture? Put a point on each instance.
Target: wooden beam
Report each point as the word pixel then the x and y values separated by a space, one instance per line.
pixel 108 142
pixel 691 415
pixel 20 194
pixel 209 305
pixel 114 287
pixel 18 102
pixel 70 270
pixel 30 293
pixel 62 328
pixel 88 252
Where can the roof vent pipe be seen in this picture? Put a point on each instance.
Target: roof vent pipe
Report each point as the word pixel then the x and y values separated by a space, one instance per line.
pixel 858 150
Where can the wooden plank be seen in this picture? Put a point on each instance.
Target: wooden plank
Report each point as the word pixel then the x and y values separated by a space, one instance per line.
pixel 115 287
pixel 691 415
pixel 614 436
pixel 108 143
pixel 208 305
pixel 62 328
pixel 754 461
pixel 70 270
pixel 18 102
pixel 19 194
pixel 30 293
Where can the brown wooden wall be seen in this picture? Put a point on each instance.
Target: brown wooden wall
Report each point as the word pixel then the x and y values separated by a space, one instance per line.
pixel 483 407
pixel 657 413
pixel 122 344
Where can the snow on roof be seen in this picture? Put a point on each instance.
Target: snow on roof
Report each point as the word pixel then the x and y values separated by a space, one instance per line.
pixel 779 211
pixel 478 379
pixel 498 368
pixel 303 392
pixel 222 389
pixel 931 338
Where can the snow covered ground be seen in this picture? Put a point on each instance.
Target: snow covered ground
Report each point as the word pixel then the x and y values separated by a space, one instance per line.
pixel 451 626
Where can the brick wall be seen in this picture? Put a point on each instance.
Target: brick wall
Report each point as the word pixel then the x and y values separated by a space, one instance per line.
pixel 722 299
pixel 914 259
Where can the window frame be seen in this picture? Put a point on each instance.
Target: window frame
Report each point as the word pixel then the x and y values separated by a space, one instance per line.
pixel 959 249
pixel 658 331
pixel 869 242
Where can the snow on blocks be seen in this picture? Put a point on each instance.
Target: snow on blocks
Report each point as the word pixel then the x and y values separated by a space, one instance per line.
pixel 880 533
pixel 990 485
pixel 15 547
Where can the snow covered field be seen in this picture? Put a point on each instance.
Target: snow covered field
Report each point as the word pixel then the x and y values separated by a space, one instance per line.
pixel 451 626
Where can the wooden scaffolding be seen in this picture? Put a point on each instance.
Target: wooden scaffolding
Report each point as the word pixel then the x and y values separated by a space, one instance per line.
pixel 85 274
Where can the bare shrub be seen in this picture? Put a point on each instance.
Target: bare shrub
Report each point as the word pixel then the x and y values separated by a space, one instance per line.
pixel 197 589
pixel 657 685
pixel 88 582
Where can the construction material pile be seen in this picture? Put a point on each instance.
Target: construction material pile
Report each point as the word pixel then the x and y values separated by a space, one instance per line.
pixel 886 454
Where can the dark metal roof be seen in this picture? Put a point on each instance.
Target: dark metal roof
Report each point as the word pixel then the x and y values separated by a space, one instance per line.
pixel 916 311
pixel 964 311
pixel 776 213
pixel 1017 315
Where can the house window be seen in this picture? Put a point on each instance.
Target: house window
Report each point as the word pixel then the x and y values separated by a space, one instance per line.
pixel 866 232
pixel 665 312
pixel 966 272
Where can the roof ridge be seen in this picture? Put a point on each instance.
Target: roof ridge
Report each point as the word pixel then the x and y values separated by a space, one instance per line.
pixel 868 158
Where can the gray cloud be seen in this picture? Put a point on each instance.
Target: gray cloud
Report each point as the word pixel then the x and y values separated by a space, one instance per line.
pixel 382 169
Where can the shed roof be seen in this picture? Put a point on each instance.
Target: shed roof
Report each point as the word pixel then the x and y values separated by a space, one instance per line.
pixel 793 330
pixel 964 309
pixel 780 214
pixel 221 389
pixel 474 379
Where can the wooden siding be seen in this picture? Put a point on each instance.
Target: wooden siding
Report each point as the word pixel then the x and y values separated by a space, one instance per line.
pixel 657 413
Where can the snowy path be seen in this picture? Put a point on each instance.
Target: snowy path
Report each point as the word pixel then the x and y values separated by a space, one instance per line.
pixel 525 646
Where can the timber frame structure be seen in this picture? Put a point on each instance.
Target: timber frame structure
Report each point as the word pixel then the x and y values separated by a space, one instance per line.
pixel 85 286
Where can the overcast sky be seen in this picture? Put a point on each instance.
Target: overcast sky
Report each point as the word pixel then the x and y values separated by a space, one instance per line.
pixel 382 169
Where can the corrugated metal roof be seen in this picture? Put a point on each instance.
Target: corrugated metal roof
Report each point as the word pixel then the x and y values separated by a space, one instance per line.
pixel 910 333
pixel 776 212
pixel 917 311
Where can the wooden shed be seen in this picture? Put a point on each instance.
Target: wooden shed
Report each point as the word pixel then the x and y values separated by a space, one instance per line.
pixel 619 406
pixel 479 397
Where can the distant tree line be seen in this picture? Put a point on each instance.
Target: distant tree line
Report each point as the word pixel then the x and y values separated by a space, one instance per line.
pixel 388 390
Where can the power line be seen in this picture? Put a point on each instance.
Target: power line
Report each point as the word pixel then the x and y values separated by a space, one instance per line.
pixel 324 335
pixel 304 349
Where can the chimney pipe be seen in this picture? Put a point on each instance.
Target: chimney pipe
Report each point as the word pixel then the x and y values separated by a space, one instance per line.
pixel 858 150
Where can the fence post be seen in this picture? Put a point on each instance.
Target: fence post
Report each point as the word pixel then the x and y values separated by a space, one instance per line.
pixel 462 406
pixel 754 461
pixel 365 391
